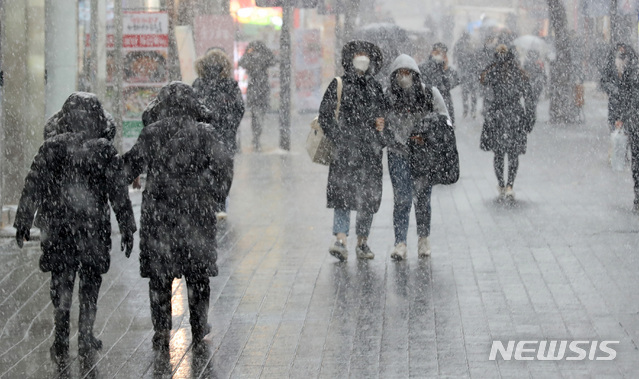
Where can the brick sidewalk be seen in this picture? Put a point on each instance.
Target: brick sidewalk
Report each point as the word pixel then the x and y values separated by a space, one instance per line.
pixel 559 264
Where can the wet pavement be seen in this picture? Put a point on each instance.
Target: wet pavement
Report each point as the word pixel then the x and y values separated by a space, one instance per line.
pixel 560 263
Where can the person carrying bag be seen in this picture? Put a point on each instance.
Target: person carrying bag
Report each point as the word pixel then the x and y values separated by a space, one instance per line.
pixel 320 148
pixel 421 151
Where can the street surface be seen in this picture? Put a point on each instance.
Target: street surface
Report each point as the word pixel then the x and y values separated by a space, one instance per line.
pixel 561 263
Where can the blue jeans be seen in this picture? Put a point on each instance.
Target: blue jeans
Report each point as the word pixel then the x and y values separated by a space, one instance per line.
pixel 404 187
pixel 342 222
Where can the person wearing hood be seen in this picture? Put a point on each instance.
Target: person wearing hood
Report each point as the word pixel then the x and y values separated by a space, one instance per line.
pixel 620 80
pixel 436 72
pixel 409 101
pixel 466 58
pixel 507 122
pixel 355 173
pixel 256 60
pixel 72 180
pixel 221 94
pixel 188 167
pixel 534 68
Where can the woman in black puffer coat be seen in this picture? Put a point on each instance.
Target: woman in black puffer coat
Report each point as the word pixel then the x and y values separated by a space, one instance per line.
pixel 221 94
pixel 507 123
pixel 355 174
pixel 73 178
pixel 188 168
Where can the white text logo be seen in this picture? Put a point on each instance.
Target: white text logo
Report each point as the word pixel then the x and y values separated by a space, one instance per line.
pixel 554 350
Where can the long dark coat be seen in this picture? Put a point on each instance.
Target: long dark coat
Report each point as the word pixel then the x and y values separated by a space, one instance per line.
pixel 224 98
pixel 72 179
pixel 355 174
pixel 256 63
pixel 623 91
pixel 507 122
pixel 188 169
pixel 434 75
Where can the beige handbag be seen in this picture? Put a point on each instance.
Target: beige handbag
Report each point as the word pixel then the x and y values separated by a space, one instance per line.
pixel 320 148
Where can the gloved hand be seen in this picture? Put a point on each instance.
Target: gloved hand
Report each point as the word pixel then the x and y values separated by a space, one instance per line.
pixel 127 243
pixel 23 233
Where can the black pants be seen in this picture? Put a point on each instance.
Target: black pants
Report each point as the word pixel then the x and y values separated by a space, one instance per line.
pixel 257 123
pixel 61 295
pixel 634 149
pixel 513 165
pixel 160 294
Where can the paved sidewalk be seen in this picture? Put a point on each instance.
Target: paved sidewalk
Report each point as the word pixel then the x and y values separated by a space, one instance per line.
pixel 561 263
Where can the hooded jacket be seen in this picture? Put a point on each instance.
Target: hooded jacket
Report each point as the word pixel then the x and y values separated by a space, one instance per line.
pixel 188 172
pixel 507 122
pixel 256 63
pixel 221 94
pixel 355 174
pixel 72 179
pixel 402 118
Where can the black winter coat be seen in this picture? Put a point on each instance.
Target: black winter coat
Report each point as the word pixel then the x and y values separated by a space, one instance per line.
pixel 623 91
pixel 434 75
pixel 256 63
pixel 188 170
pixel 72 179
pixel 224 99
pixel 355 174
pixel 507 123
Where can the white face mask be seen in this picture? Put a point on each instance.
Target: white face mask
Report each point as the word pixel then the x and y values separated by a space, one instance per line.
pixel 361 63
pixel 438 58
pixel 405 81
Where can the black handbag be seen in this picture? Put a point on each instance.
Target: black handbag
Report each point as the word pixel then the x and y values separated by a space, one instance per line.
pixel 433 151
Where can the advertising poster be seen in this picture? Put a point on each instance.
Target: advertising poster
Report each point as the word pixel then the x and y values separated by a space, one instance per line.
pixel 145 49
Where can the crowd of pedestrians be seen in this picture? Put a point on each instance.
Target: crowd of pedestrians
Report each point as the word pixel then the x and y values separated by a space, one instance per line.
pixel 187 147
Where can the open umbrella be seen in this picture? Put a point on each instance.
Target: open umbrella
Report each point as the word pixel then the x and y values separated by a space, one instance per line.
pixel 530 42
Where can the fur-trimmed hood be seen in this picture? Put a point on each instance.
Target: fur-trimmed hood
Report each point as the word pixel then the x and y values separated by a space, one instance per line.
pixel 374 53
pixel 214 64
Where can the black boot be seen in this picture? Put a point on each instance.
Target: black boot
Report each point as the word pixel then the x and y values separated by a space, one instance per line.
pixel 59 352
pixel 161 340
pixel 88 343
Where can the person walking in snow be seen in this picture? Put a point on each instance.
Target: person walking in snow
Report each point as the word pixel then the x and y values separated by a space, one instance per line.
pixel 356 171
pixel 409 102
pixel 256 60
pixel 507 122
pixel 188 169
pixel 436 72
pixel 620 80
pixel 467 62
pixel 73 178
pixel 217 89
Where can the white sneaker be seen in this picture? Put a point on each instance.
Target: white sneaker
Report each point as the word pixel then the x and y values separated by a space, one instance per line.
pixel 338 250
pixel 509 193
pixel 423 247
pixel 364 252
pixel 502 192
pixel 399 252
pixel 221 216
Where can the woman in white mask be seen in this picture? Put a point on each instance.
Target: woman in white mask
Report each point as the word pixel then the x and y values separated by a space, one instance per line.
pixel 409 102
pixel 437 73
pixel 355 173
